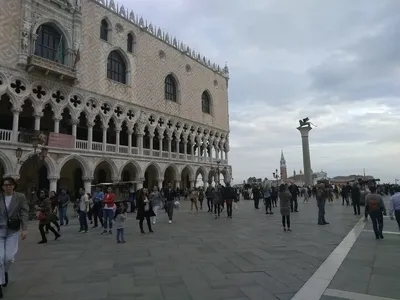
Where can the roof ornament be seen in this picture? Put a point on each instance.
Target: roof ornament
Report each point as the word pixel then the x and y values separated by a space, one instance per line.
pixel 122 11
pixel 111 5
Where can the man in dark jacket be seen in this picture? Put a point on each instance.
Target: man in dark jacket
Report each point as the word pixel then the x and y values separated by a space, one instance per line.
pixel 256 196
pixel 355 198
pixel 169 195
pixel 294 190
pixel 229 194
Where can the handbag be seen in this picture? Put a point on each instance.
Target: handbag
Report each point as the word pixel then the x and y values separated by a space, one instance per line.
pixel 12 224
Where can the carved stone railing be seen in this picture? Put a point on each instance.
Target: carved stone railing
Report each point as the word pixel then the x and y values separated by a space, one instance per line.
pixel 63 70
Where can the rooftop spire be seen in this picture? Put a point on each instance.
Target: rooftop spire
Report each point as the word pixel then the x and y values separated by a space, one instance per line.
pixel 282 157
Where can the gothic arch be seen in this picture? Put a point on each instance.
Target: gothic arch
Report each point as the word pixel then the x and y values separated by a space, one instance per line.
pixel 48 161
pixel 58 26
pixel 175 168
pixel 111 163
pixel 203 171
pixel 14 101
pixel 135 164
pixel 80 159
pixel 156 166
pixel 7 164
pixel 191 172
pixel 128 66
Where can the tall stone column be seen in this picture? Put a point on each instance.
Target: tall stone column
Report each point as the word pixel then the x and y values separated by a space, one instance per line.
pixel 304 130
pixel 87 184
pixel 53 183
pixel 16 113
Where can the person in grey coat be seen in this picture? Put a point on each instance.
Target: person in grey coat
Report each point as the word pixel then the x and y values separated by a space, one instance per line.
pixel 285 198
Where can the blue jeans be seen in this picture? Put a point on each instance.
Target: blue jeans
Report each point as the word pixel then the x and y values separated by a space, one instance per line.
pixel 120 235
pixel 83 220
pixel 108 215
pixel 62 211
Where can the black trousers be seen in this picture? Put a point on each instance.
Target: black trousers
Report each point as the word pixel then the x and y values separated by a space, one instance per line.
pixel 229 207
pixel 148 224
pixel 268 204
pixel 356 207
pixel 286 221
pixel 256 203
pixel 294 204
pixel 55 223
pixel 97 215
pixel 397 216
pixel 43 234
pixel 210 204
pixel 274 201
pixel 377 222
pixel 217 209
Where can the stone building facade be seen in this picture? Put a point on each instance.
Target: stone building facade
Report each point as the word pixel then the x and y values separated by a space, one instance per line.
pixel 112 97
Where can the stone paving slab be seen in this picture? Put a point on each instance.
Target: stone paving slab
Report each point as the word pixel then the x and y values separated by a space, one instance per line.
pixel 195 258
pixel 371 267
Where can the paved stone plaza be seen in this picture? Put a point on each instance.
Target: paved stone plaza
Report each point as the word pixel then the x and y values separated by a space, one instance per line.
pixel 198 257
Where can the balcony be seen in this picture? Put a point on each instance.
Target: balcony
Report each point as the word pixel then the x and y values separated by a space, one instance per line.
pixel 49 67
pixel 25 138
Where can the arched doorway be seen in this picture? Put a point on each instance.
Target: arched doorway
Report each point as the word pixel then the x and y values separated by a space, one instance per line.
pixel 71 177
pixel 33 175
pixel 129 172
pixel 186 177
pixel 102 173
pixel 200 177
pixel 170 176
pixel 150 177
pixel 212 177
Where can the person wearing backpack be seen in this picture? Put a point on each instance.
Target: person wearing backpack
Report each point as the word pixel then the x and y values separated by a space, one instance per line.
pixel 376 209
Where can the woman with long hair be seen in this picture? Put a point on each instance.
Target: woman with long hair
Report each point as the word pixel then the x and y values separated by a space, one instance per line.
pixel 144 209
pixel 284 200
pixel 45 216
pixel 14 215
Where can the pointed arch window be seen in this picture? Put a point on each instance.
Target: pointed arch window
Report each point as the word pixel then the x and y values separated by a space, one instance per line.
pixel 206 103
pixel 116 67
pixel 49 44
pixel 130 40
pixel 170 88
pixel 104 28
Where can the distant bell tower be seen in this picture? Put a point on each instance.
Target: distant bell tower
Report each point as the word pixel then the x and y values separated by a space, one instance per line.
pixel 283 168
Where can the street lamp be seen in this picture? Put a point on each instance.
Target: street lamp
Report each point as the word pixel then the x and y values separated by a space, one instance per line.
pixel 218 178
pixel 276 176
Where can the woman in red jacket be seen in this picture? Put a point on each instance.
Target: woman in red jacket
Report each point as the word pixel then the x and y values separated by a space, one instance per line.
pixel 108 210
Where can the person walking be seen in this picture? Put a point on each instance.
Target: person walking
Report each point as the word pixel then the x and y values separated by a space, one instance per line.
pixel 217 200
pixel 144 210
pixel 45 217
pixel 63 201
pixel 256 196
pixel 108 211
pixel 169 195
pixel 156 201
pixel 14 216
pixel 267 200
pixel 394 207
pixel 97 208
pixel 285 198
pixel 229 195
pixel 321 200
pixel 83 205
pixel 120 217
pixel 294 190
pixel 355 198
pixel 194 195
pixel 376 209
pixel 209 195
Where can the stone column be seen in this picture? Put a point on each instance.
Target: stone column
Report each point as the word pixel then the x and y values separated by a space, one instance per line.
pixel 198 151
pixel 139 143
pixel 104 140
pixel 177 184
pixel 160 182
pixel 185 141
pixel 37 120
pixel 192 183
pixel 205 184
pixel 117 136
pixel 169 146
pixel 53 183
pixel 87 184
pixel 192 149
pixel 90 135
pixel 216 152
pixel 151 139
pixel 56 124
pixel 160 143
pixel 74 124
pixel 139 185
pixel 130 132
pixel 306 153
pixel 177 148
pixel 16 113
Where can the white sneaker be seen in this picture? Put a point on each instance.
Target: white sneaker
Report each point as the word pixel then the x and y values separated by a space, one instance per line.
pixel 154 222
pixel 169 221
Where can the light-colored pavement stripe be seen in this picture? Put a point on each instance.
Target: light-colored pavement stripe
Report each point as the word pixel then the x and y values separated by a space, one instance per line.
pixel 353 296
pixel 315 287
pixel 386 232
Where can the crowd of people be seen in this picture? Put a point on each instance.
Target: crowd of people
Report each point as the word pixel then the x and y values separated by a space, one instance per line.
pixel 103 208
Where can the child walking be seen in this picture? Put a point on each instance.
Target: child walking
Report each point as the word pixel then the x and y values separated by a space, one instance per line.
pixel 120 218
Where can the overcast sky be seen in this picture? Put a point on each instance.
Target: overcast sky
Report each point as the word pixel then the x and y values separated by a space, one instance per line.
pixel 335 61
